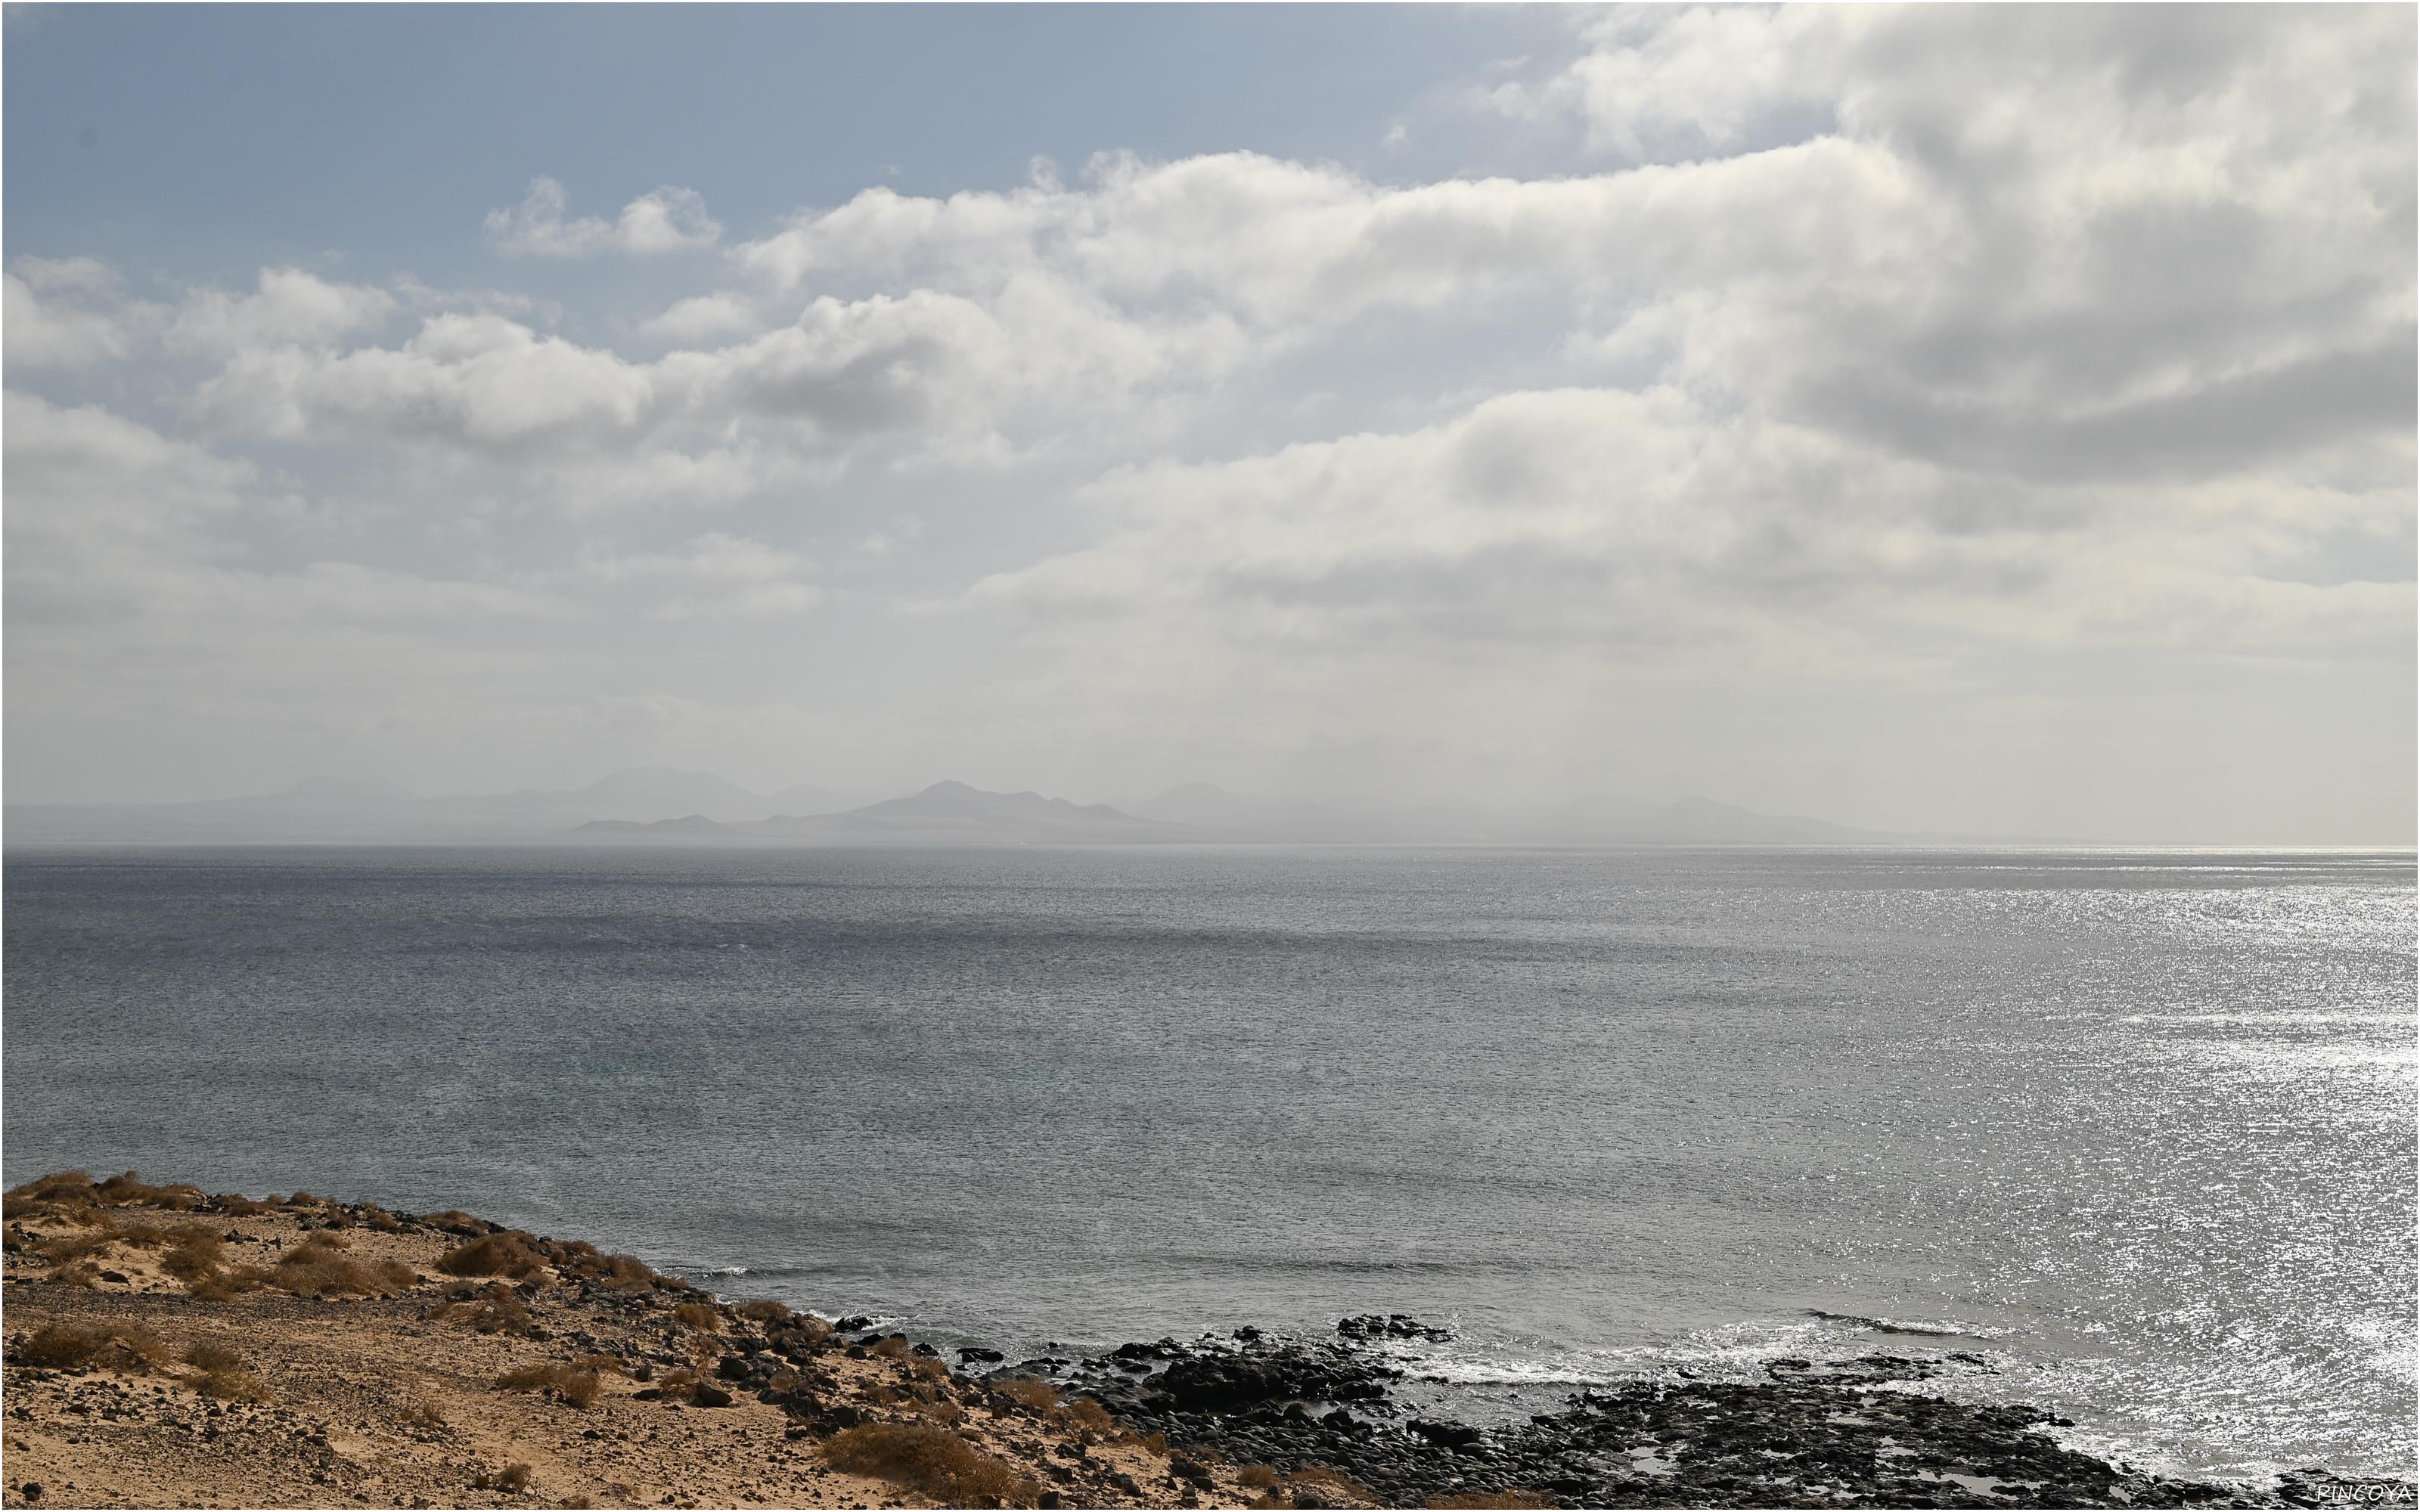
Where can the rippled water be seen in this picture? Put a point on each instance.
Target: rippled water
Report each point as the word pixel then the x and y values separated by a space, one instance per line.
pixel 2137 1129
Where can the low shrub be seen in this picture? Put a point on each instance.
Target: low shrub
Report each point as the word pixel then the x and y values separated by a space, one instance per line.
pixel 127 1189
pixel 932 1460
pixel 508 1252
pixel 492 1309
pixel 573 1384
pixel 1258 1477
pixel 226 1284
pixel 66 1249
pixel 514 1477
pixel 230 1386
pixel 1025 1391
pixel 60 1347
pixel 211 1354
pixel 1087 1412
pixel 420 1413
pixel 699 1316
pixel 765 1310
pixel 65 1347
pixel 319 1267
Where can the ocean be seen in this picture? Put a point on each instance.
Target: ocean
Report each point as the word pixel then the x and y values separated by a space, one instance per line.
pixel 2133 1132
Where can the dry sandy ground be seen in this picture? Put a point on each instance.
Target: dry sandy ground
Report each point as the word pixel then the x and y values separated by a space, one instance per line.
pixel 395 1401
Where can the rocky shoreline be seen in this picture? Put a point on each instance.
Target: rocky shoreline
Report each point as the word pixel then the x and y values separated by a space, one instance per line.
pixel 167 1347
pixel 1845 1434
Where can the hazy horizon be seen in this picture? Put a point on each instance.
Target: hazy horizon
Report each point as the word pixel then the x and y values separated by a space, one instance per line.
pixel 1985 421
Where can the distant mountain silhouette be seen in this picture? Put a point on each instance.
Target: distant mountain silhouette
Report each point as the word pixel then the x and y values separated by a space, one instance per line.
pixel 690 829
pixel 954 811
pixel 645 805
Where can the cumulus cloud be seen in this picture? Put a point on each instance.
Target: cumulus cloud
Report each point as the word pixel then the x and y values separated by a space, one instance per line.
pixel 289 307
pixel 703 320
pixel 664 219
pixel 1843 348
pixel 68 313
pixel 110 522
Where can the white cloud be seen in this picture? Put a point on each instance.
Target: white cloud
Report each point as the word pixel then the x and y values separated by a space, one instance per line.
pixel 704 320
pixel 68 313
pixel 665 220
pixel 290 308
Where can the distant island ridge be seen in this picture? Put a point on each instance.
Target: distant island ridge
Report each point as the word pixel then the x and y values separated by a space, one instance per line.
pixel 669 805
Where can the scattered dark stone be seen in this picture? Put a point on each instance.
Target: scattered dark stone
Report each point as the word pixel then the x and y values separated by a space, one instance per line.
pixel 117 1276
pixel 855 1324
pixel 926 1350
pixel 972 1355
pixel 1450 1435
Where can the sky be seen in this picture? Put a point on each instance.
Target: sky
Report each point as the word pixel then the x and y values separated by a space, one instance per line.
pixel 1990 420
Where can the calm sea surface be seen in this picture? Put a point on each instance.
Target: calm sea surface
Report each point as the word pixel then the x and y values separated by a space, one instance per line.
pixel 2137 1129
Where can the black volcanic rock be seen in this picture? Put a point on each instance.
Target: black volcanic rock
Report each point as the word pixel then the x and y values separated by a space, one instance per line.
pixel 1390 1326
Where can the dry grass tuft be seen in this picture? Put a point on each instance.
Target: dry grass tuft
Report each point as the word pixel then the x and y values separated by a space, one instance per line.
pixel 230 1386
pixel 699 1316
pixel 1258 1477
pixel 63 1250
pixel 932 1460
pixel 509 1253
pixel 1480 1499
pixel 60 1347
pixel 237 1205
pixel 319 1267
pixel 513 1477
pixel 1088 1414
pixel 129 1189
pixel 492 1309
pixel 573 1384
pixel 420 1413
pixel 67 1347
pixel 211 1354
pixel 765 1310
pixel 1026 1392
pixel 226 1284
